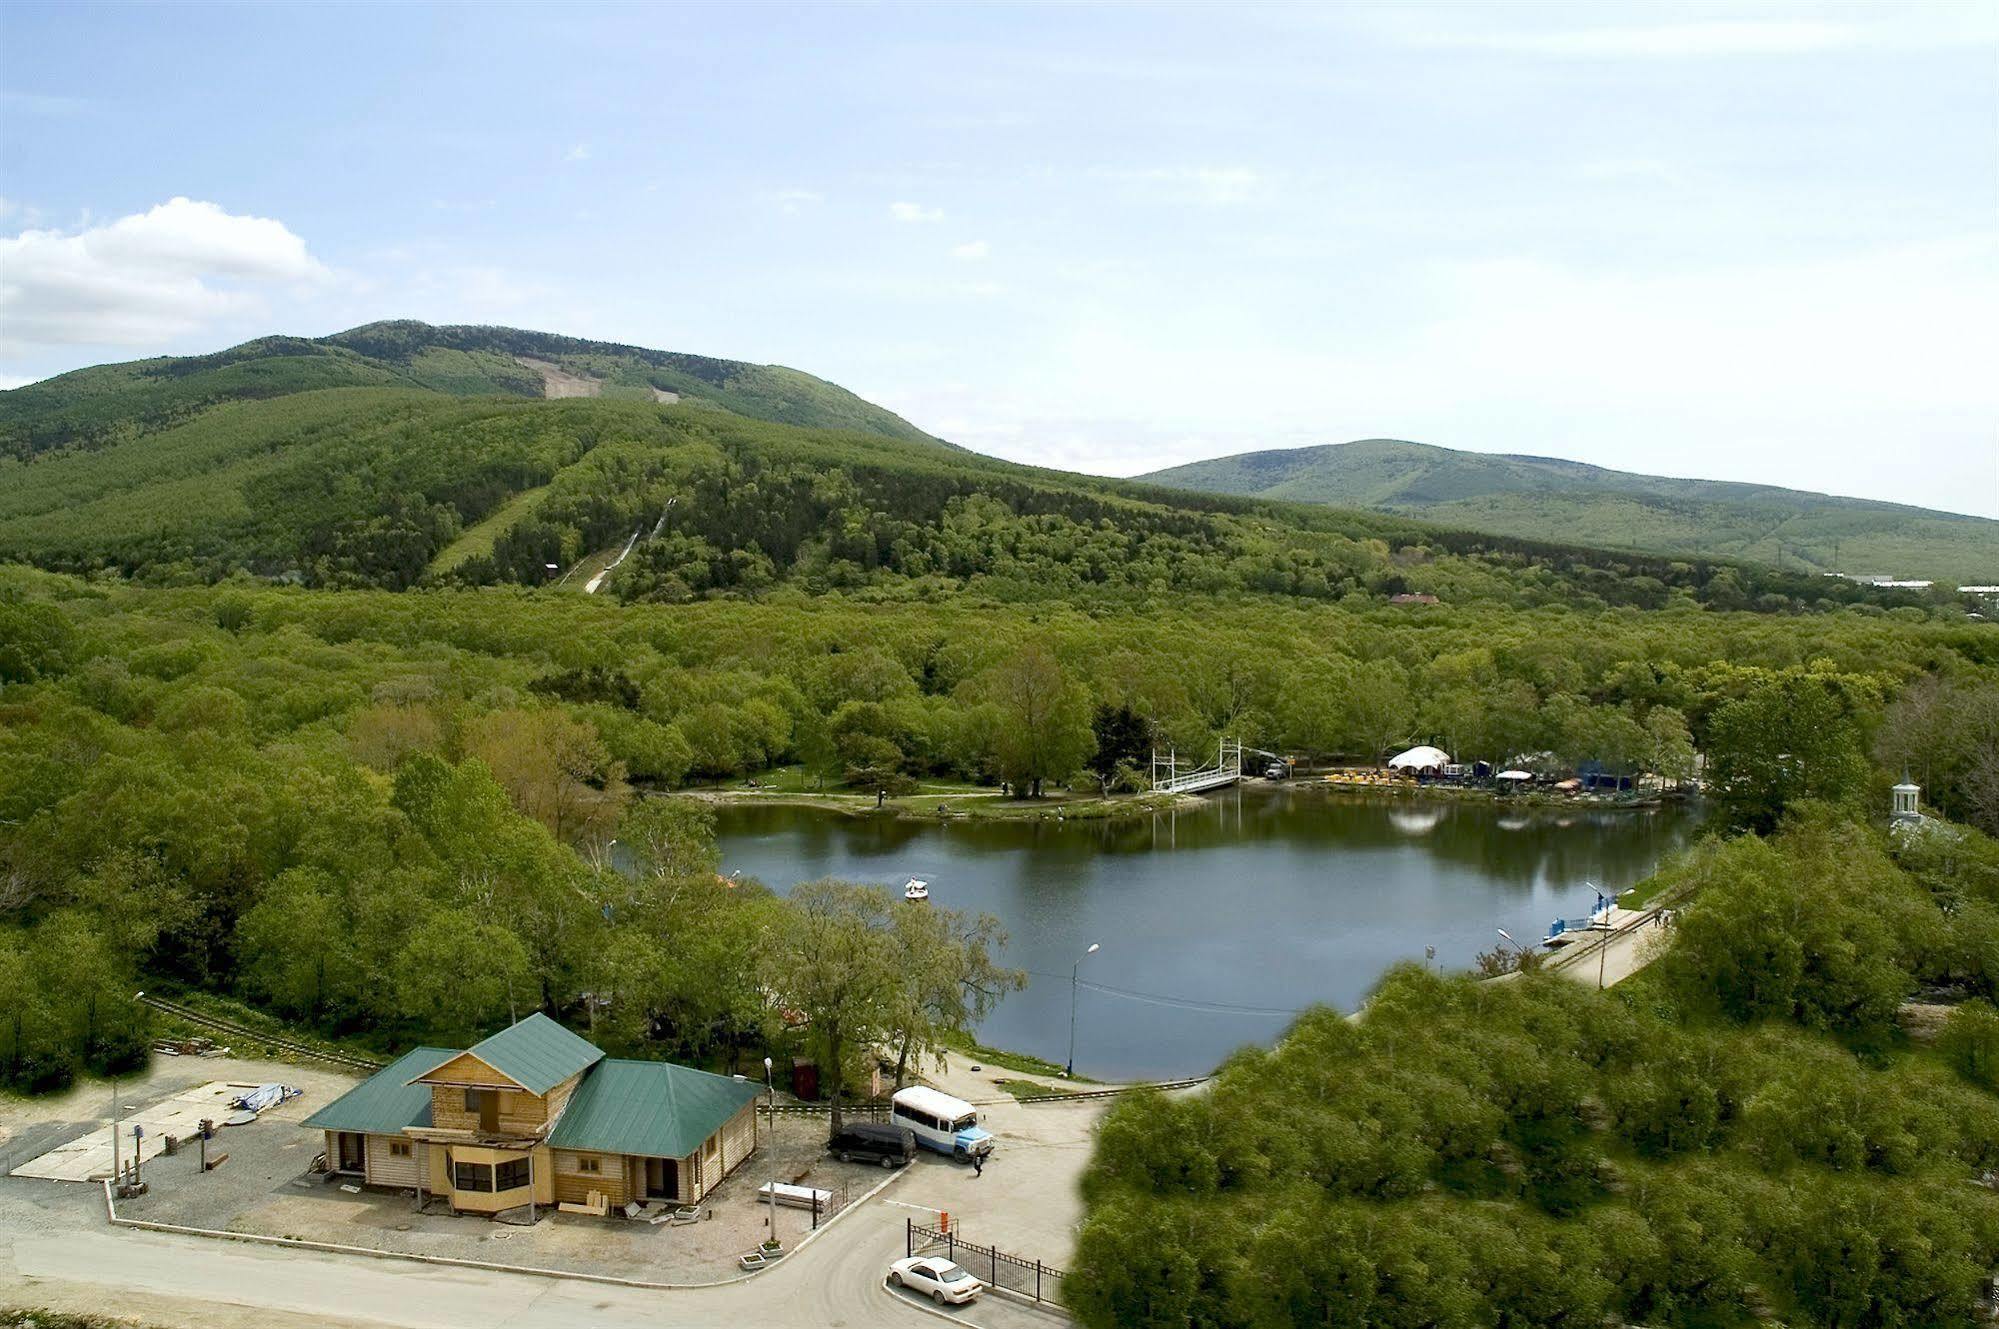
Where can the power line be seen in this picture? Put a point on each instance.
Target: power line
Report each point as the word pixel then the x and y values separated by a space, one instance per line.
pixel 1183 1003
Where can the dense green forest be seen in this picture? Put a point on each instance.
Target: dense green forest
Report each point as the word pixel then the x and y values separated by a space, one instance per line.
pixel 188 776
pixel 1549 499
pixel 1742 1134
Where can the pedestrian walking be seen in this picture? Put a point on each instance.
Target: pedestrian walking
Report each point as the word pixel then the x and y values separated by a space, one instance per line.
pixel 978 1165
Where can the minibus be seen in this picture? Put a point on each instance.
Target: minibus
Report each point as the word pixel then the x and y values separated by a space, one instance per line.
pixel 938 1121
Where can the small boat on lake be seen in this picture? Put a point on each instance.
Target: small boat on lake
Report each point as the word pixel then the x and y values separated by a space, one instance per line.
pixel 917 890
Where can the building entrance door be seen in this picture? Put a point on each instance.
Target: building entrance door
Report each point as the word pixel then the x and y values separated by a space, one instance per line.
pixel 350 1159
pixel 662 1178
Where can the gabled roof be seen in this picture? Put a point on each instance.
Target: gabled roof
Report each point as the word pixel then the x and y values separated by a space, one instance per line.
pixel 537 1054
pixel 651 1108
pixel 386 1101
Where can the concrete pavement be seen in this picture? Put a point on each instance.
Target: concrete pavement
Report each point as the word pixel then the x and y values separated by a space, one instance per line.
pixel 1624 954
pixel 192 1281
pixel 57 1251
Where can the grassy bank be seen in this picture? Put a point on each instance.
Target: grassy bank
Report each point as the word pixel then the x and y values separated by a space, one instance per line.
pixel 1011 1061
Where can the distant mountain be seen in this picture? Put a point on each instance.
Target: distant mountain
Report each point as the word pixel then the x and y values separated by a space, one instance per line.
pixel 1543 498
pixel 110 403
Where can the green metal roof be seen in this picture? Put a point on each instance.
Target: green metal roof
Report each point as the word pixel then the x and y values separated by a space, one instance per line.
pixel 537 1053
pixel 651 1108
pixel 386 1101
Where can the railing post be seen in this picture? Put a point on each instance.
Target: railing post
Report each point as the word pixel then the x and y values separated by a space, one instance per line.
pixel 1037 1280
pixel 908 1237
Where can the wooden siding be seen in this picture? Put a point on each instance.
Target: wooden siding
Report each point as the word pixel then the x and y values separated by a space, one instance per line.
pixel 520 1113
pixel 465 1069
pixel 739 1138
pixel 384 1169
pixel 573 1185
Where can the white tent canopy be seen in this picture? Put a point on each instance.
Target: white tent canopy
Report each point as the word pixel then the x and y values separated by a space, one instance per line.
pixel 1514 775
pixel 1417 759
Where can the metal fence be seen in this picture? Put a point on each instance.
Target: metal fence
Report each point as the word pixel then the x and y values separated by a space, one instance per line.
pixel 1016 1273
pixel 857 1111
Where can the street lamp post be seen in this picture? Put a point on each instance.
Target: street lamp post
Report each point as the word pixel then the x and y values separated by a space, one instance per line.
pixel 770 1087
pixel 1073 971
pixel 1603 922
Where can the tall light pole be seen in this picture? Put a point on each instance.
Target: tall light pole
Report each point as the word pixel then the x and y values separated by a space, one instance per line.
pixel 1073 971
pixel 770 1087
pixel 1603 946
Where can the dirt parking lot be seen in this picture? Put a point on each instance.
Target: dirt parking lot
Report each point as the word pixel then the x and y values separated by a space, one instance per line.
pixel 267 1187
pixel 1026 1201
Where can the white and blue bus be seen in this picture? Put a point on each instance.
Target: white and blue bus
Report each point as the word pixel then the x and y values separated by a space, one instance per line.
pixel 938 1121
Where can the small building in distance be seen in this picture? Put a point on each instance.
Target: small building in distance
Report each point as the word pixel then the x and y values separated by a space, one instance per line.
pixel 538 1114
pixel 1413 598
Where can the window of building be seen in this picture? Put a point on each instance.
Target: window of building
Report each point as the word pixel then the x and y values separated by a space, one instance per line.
pixel 511 1174
pixel 473 1097
pixel 592 1165
pixel 472 1176
pixel 399 1149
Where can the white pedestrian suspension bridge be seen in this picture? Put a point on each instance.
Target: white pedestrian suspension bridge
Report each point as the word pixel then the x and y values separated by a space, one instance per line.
pixel 1226 770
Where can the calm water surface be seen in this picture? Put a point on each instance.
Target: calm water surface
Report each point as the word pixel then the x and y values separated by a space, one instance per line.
pixel 1218 924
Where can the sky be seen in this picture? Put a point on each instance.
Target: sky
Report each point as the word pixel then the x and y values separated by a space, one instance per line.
pixel 1746 242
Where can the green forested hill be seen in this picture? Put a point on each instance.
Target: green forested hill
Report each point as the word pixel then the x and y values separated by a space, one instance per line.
pixel 107 404
pixel 1548 499
pixel 400 455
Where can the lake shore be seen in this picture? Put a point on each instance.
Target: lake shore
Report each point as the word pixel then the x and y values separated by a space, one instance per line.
pixel 953 805
pixel 972 804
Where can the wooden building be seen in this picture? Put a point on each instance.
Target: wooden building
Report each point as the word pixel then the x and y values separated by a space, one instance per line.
pixel 537 1112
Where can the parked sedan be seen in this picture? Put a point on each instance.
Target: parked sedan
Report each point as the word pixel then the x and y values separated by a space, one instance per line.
pixel 937 1278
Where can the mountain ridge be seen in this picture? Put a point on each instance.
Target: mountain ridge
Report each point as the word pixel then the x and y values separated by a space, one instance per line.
pixel 98 404
pixel 1557 498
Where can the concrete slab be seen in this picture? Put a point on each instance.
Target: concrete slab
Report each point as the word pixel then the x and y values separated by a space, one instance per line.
pixel 88 1157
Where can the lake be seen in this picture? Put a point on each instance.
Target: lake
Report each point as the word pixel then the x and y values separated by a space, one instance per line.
pixel 1219 923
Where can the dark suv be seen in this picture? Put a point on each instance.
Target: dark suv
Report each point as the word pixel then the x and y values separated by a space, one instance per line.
pixel 876 1142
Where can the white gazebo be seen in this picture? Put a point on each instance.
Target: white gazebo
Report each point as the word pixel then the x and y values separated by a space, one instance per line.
pixel 1423 758
pixel 1906 806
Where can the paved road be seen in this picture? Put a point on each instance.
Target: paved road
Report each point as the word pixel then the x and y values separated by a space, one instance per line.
pixel 193 1281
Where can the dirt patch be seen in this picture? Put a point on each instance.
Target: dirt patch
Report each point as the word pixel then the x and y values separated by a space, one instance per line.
pixel 559 382
pixel 665 398
pixel 1923 1020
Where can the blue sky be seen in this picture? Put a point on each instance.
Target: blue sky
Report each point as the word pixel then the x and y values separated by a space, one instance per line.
pixel 1750 242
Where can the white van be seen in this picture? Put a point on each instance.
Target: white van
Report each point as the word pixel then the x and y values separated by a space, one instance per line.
pixel 938 1121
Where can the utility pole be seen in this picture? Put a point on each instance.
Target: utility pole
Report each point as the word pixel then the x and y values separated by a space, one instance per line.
pixel 1603 904
pixel 1074 969
pixel 770 1088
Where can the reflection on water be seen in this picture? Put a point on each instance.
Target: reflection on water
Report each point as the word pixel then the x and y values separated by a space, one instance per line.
pixel 1219 922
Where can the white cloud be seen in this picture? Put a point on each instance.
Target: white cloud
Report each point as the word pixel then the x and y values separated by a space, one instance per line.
pixel 1903 26
pixel 915 212
pixel 1673 40
pixel 790 201
pixel 1219 185
pixel 578 152
pixel 971 249
pixel 145 278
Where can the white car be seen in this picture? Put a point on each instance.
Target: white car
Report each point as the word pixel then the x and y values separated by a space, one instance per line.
pixel 937 1278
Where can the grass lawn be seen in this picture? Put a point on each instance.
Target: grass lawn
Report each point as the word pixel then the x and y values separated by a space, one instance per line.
pixel 478 538
pixel 1012 1061
pixel 1029 1089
